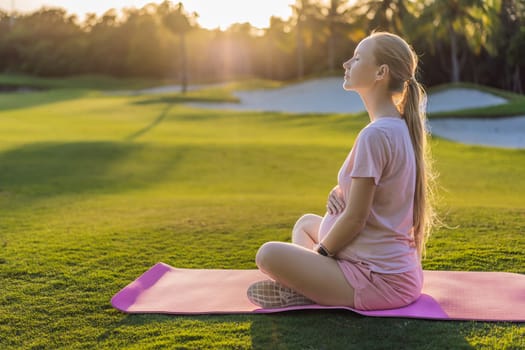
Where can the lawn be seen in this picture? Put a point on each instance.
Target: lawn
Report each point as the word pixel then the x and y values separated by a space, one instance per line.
pixel 96 188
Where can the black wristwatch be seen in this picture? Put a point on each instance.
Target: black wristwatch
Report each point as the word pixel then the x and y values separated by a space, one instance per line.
pixel 321 249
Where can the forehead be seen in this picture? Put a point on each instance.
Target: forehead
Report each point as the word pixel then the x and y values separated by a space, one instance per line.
pixel 365 47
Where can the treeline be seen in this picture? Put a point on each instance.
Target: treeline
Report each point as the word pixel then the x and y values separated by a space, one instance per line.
pixel 481 41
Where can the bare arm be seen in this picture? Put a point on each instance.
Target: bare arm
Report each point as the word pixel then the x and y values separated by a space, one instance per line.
pixel 352 221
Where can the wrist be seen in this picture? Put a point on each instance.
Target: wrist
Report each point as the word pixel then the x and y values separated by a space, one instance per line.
pixel 321 250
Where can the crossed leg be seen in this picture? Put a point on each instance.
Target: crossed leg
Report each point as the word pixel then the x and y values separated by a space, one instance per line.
pixel 297 266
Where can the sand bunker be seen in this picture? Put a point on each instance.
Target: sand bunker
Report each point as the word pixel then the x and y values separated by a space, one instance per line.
pixel 327 96
pixel 500 132
pixel 313 96
pixel 459 98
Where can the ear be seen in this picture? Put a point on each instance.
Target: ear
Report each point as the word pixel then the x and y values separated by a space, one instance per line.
pixel 382 72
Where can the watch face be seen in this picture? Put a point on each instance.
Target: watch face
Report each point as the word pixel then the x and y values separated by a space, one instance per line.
pixel 321 251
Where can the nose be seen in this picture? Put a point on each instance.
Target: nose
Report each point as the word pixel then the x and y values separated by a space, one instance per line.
pixel 346 65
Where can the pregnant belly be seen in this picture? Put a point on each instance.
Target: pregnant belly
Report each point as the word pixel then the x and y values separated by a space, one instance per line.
pixel 326 224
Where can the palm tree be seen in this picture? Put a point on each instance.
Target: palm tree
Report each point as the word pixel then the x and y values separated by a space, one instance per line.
pixel 454 20
pixel 387 15
pixel 511 39
pixel 516 53
pixel 178 21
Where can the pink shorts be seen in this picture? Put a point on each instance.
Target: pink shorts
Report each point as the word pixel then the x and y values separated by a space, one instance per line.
pixel 379 291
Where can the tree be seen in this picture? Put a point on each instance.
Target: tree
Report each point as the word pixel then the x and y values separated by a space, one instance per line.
pixel 145 34
pixel 389 15
pixel 304 11
pixel 516 53
pixel 454 20
pixel 277 47
pixel 337 18
pixel 158 38
pixel 511 41
pixel 244 35
pixel 107 43
pixel 45 42
pixel 8 51
pixel 178 21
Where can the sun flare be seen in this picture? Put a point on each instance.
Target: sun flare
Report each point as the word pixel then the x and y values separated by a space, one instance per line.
pixel 212 13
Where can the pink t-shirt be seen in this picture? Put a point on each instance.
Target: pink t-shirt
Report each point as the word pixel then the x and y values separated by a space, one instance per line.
pixel 382 151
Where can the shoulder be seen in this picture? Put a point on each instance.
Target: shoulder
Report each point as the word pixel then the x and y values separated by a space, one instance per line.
pixel 387 131
pixel 373 134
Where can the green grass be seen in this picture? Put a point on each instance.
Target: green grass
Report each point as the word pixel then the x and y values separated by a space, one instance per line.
pixel 100 82
pixel 95 189
pixel 77 82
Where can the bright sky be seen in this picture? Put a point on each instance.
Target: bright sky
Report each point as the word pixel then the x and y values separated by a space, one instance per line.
pixel 212 13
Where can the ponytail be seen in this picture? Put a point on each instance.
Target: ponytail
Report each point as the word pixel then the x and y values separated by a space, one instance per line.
pixel 412 106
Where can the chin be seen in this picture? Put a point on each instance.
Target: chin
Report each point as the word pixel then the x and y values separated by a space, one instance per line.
pixel 347 86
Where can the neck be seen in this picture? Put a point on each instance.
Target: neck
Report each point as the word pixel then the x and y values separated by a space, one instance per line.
pixel 379 103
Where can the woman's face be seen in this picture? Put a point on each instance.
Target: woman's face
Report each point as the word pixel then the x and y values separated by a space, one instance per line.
pixel 361 69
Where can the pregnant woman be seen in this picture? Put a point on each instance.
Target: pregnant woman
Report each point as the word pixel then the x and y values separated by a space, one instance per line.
pixel 366 251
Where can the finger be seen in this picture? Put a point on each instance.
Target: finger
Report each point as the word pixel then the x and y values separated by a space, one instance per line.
pixel 332 202
pixel 334 210
pixel 331 209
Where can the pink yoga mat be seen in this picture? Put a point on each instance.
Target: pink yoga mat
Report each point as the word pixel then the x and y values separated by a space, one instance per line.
pixel 447 295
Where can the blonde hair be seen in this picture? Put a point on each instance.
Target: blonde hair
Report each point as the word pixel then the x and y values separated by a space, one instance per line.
pixel 402 61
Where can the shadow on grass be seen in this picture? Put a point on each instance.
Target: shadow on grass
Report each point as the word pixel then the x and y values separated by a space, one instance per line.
pixel 147 128
pixel 343 330
pixel 50 169
pixel 170 102
pixel 334 329
pixel 183 99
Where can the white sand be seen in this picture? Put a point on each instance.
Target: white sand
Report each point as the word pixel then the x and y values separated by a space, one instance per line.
pixel 456 99
pixel 327 96
pixel 500 132
pixel 314 96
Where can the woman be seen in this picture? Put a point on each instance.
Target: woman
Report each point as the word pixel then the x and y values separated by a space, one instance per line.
pixel 366 251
